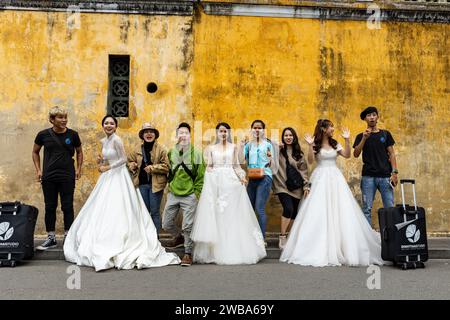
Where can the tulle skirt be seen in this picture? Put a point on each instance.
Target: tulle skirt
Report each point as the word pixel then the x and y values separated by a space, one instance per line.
pixel 330 228
pixel 225 229
pixel 114 228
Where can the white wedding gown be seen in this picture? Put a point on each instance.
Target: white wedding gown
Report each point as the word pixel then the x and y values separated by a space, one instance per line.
pixel 225 229
pixel 114 228
pixel 330 228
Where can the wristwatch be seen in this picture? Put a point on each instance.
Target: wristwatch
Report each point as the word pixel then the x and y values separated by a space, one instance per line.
pixel 394 171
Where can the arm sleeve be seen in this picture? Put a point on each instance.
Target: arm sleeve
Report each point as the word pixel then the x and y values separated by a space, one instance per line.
pixel 162 167
pixel 303 168
pixel 76 140
pixel 357 140
pixel 339 147
pixel 131 158
pixel 122 157
pixel 271 148
pixel 38 139
pixel 208 157
pixel 198 182
pixel 236 165
pixel 275 161
pixel 389 139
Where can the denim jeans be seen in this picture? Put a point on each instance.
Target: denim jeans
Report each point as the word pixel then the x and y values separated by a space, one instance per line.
pixel 153 203
pixel 369 185
pixel 258 192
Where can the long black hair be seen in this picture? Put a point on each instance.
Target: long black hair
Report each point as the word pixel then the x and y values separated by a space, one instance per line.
pixel 297 152
pixel 227 126
pixel 322 125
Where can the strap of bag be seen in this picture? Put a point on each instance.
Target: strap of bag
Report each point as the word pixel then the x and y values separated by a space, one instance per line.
pixel 172 172
pixel 182 164
pixel 189 172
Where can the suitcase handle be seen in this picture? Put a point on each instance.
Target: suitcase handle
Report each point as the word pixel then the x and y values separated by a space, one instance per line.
pixel 11 207
pixel 413 182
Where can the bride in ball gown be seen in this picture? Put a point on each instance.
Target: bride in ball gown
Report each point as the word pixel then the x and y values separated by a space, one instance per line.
pixel 225 229
pixel 330 229
pixel 114 228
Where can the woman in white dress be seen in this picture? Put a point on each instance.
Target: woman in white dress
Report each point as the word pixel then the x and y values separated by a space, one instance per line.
pixel 225 229
pixel 330 229
pixel 114 228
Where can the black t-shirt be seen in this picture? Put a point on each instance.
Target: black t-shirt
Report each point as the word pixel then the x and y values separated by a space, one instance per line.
pixel 375 155
pixel 58 165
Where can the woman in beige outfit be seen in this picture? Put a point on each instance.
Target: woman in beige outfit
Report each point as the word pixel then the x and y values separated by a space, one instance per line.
pixel 149 166
pixel 290 192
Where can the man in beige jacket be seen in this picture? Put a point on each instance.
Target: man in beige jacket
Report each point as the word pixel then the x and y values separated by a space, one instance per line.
pixel 149 167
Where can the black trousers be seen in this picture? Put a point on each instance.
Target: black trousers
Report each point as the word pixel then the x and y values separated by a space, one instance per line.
pixel 290 205
pixel 51 190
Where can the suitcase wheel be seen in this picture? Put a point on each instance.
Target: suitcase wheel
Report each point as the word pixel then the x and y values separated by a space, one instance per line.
pixel 420 264
pixel 10 263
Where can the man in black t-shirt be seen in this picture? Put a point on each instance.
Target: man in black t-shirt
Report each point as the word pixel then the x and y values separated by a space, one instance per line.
pixel 58 173
pixel 380 165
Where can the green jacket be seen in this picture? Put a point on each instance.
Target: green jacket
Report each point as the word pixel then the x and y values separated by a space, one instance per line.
pixel 181 184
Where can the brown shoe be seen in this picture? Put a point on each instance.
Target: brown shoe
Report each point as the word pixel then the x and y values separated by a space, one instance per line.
pixel 186 261
pixel 176 242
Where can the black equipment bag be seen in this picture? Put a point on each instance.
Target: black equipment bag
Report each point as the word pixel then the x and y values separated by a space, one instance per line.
pixel 17 223
pixel 294 179
pixel 403 233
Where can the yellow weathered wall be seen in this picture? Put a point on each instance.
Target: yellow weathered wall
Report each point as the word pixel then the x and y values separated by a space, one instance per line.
pixel 44 63
pixel 291 72
pixel 288 72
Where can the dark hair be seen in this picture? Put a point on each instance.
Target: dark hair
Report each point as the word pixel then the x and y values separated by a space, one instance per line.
pixel 109 116
pixel 260 121
pixel 368 110
pixel 227 126
pixel 318 135
pixel 184 125
pixel 297 152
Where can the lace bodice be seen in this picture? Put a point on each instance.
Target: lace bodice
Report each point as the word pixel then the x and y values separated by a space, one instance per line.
pixel 113 151
pixel 328 157
pixel 219 157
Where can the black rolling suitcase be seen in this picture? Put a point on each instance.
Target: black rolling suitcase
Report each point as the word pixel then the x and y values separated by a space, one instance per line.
pixel 403 233
pixel 17 223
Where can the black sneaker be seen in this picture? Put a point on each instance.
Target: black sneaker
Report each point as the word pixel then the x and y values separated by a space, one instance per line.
pixel 49 243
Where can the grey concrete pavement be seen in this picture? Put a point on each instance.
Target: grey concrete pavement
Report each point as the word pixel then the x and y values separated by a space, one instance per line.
pixel 269 279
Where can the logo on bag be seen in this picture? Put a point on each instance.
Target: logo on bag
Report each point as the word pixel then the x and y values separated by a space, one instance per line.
pixel 5 231
pixel 412 233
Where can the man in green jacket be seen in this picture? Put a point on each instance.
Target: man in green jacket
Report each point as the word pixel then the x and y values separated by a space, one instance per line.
pixel 187 169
